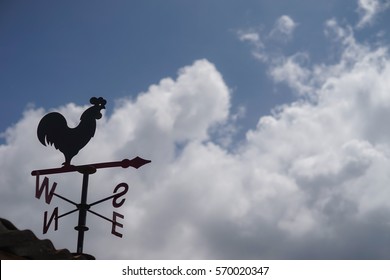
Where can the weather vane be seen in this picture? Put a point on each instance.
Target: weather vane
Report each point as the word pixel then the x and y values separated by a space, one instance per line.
pixel 53 130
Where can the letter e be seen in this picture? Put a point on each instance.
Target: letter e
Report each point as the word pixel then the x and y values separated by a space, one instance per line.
pixel 115 224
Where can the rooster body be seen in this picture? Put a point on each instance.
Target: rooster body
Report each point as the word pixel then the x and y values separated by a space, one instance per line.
pixel 54 130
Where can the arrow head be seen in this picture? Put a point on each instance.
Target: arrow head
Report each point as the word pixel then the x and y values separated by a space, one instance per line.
pixel 136 162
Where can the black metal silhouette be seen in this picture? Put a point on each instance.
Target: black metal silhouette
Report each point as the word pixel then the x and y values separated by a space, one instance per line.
pixel 53 129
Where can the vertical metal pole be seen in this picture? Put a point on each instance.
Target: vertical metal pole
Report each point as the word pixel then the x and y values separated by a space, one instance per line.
pixel 83 207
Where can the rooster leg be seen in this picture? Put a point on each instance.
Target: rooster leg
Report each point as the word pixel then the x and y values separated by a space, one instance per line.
pixel 67 161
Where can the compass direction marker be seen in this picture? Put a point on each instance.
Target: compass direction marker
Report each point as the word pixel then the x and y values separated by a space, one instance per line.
pixel 83 207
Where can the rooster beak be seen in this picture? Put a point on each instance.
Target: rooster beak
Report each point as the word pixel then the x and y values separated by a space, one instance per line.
pixel 103 107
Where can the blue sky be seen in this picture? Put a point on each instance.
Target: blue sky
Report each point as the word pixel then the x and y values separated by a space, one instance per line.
pixel 54 53
pixel 265 122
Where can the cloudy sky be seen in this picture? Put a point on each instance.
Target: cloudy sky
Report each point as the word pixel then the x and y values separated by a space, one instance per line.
pixel 266 123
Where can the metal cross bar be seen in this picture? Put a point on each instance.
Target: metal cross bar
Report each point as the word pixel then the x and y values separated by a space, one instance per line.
pixel 102 200
pixel 64 198
pixel 67 213
pixel 101 216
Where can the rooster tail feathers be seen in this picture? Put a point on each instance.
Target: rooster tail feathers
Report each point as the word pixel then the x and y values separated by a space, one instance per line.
pixel 51 127
pixel 41 136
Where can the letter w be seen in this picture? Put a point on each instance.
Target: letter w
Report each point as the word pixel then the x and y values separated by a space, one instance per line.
pixel 45 186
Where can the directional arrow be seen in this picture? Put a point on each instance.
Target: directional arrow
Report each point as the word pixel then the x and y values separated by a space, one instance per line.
pixel 136 163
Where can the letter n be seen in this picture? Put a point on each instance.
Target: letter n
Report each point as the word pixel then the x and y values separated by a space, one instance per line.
pixel 45 186
pixel 46 223
pixel 116 224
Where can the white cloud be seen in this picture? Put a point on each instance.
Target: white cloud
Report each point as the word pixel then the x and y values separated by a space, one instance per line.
pixel 369 9
pixel 334 31
pixel 250 36
pixel 310 181
pixel 284 28
pixel 292 71
pixel 263 44
pixel 337 147
pixel 254 39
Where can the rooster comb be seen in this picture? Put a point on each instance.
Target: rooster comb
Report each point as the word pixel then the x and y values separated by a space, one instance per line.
pixel 98 101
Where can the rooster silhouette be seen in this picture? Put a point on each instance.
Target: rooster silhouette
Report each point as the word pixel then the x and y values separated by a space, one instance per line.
pixel 54 129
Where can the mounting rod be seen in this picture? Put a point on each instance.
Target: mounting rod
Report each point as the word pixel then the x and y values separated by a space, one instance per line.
pixel 83 208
